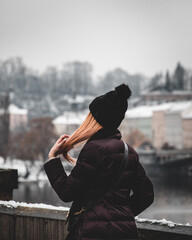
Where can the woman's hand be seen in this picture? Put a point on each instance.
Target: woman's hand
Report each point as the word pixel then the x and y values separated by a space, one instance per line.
pixel 57 147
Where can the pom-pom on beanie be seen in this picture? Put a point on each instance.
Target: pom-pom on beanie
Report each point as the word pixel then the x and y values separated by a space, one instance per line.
pixel 109 109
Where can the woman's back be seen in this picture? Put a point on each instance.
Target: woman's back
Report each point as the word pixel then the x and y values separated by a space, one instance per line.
pixel 112 217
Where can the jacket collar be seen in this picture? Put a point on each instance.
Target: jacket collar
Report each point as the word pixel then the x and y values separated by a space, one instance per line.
pixel 106 133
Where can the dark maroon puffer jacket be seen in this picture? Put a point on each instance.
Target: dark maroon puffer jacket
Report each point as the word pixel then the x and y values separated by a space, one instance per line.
pixel 98 161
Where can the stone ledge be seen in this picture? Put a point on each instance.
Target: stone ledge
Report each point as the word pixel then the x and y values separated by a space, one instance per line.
pixel 39 212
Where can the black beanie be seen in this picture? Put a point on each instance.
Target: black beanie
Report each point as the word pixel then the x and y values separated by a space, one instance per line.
pixel 109 109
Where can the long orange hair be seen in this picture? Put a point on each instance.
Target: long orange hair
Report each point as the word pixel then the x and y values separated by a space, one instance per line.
pixel 83 133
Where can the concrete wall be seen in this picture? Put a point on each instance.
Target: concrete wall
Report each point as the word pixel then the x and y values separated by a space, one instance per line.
pixel 25 223
pixel 187 133
pixel 142 124
pixel 173 130
pixel 158 128
pixel 145 127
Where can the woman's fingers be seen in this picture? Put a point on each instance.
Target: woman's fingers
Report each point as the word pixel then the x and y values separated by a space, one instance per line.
pixel 59 140
pixel 62 137
pixel 62 142
pixel 57 147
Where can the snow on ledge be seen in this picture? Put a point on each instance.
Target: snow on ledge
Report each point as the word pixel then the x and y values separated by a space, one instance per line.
pixel 161 222
pixel 13 204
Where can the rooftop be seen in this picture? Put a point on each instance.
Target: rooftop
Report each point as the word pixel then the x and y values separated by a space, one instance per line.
pixel 70 118
pixel 146 111
pixel 13 109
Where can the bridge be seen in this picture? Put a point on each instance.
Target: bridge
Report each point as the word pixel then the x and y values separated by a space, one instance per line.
pixel 167 162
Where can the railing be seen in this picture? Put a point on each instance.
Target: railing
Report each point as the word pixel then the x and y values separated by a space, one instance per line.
pixel 39 221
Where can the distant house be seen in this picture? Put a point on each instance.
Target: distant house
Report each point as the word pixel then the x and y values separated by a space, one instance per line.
pixel 140 118
pixel 158 125
pixel 187 129
pixel 75 103
pixel 168 123
pixel 165 96
pixel 69 121
pixel 174 125
pixel 18 117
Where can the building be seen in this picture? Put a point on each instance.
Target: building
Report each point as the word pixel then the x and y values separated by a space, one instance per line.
pixel 141 118
pixel 187 129
pixel 174 125
pixel 165 96
pixel 158 125
pixel 161 124
pixel 69 121
pixel 18 118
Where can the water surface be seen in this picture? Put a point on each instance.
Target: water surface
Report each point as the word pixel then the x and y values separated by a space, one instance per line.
pixel 173 198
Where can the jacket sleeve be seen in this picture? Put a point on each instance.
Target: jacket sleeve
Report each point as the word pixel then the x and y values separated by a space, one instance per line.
pixel 143 193
pixel 81 179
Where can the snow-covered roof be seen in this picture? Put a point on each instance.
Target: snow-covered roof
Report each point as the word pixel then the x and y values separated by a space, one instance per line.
pixel 139 112
pixel 163 106
pixel 13 109
pixel 146 111
pixel 70 118
pixel 180 106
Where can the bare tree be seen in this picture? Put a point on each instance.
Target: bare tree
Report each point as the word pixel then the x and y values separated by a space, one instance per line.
pixel 119 76
pixel 35 143
pixel 135 138
pixel 79 77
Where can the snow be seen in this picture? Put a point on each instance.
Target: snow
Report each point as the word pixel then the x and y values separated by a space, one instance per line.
pixel 139 112
pixel 13 204
pixel 146 111
pixel 164 106
pixel 36 170
pixel 180 106
pixel 161 222
pixel 70 118
pixel 13 109
pixel 22 166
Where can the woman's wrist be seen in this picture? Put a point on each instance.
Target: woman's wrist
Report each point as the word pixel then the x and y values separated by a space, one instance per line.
pixel 52 155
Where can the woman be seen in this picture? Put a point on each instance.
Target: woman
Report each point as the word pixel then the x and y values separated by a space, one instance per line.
pixel 112 215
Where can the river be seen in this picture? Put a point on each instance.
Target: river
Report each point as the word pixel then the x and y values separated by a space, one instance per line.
pixel 173 198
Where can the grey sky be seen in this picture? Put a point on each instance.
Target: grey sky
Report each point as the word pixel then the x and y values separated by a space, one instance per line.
pixel 144 36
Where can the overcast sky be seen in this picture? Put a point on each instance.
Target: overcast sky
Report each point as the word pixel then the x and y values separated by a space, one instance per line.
pixel 145 36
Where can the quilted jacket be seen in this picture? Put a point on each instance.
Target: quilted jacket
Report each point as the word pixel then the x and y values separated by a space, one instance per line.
pixel 113 216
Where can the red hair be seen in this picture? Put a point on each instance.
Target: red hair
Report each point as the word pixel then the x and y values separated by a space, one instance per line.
pixel 83 133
